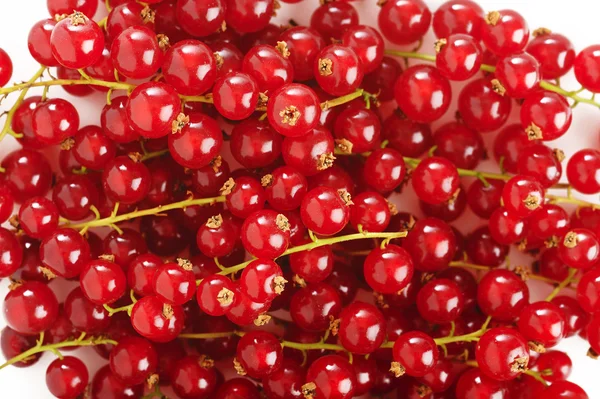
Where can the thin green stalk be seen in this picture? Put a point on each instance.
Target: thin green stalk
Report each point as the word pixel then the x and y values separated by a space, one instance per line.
pixel 319 243
pixel 562 285
pixel 544 84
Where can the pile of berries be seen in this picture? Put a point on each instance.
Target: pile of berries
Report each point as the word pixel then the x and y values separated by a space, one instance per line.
pixel 243 205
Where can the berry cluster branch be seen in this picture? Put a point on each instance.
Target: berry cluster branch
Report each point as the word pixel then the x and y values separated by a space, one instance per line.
pixel 319 242
pixel 40 347
pixel 562 284
pixel 490 68
pixel 9 116
pixel 113 219
pixel 535 374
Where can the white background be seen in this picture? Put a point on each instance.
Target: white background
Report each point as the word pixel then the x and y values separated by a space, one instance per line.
pixel 577 19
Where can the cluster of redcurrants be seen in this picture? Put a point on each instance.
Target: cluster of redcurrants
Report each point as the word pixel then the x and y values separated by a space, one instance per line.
pixel 310 204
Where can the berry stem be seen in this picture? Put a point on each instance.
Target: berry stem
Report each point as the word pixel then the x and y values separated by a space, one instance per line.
pixel 40 347
pixel 562 284
pixel 319 243
pixel 112 311
pixel 534 374
pixel 490 68
pixel 113 219
pixel 9 116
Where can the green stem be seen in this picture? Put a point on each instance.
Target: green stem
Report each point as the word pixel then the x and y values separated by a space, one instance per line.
pixel 113 219
pixel 11 112
pixel 112 311
pixel 319 243
pixel 55 347
pixel 490 68
pixel 67 82
pixel 555 199
pixel 563 284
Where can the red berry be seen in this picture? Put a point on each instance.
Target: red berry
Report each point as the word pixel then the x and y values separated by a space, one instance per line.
pixel 423 93
pixel 357 130
pixel 502 354
pixel 235 95
pixel 262 280
pixel 152 108
pixel 13 344
pixel 554 52
pixel 136 53
pixel 362 328
pixel 435 180
pixel 293 110
pixel 197 143
pixel 367 43
pixel 543 323
pixel 190 67
pixel 522 195
pixel 67 377
pixel 54 120
pixel 106 385
pixel 587 68
pixel 474 384
pixel 404 21
pixel 247 196
pixel 65 252
pixel 505 32
pixel 30 308
pixel 333 377
pixel 338 70
pixel 583 171
pixel 156 320
pixel 77 41
pixel 102 281
pixel 259 354
pixel 265 234
pixel 304 45
pixel 459 57
pixel 458 16
pixel 199 17
pixel 246 16
pixel 502 294
pixel 333 18
pixel 440 301
pixel 325 211
pixel 313 306
pixel 191 379
pixel 416 352
pixel 140 274
pixel 579 248
pixel 432 244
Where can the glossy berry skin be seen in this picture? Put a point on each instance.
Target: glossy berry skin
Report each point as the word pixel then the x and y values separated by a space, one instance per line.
pixel 522 195
pixel 333 376
pixel 65 252
pixel 502 294
pixel 127 15
pixel 456 17
pixel 304 44
pixel 151 109
pixel 13 344
pixel 102 282
pixel 559 363
pixel 54 120
pixel 554 52
pixel 431 244
pixel 370 211
pixel 542 322
pixel 338 70
pixel 416 352
pixel 293 109
pixel 332 19
pixel 38 217
pixel 92 148
pixel 255 144
pixel 549 112
pixel 190 67
pixel 174 284
pixel 579 248
pixel 210 292
pixel 506 228
pixel 588 291
pixel 106 385
pixel 360 127
pixel 583 171
pixel 197 143
pixel 519 74
pixel 508 35
pixel 474 384
pixel 324 211
pixel 423 93
pixel 216 238
pixel 262 280
pixel 362 328
pixel 238 387
pixel 59 7
pixel 11 253
pixel 587 68
pixel 77 42
pixel 541 163
pixel 115 123
pixel 565 389
pixel 247 196
pixel 125 180
pixel 67 378
pixel 265 234
pixel 381 80
pixel 7 202
pixel 190 380
pixel 259 353
pixel 460 58
pixel 576 319
pixel 84 315
pixel 367 43
pixel 306 153
pixel 200 18
pixel 313 265
pixel 388 270
pixel 269 67
pixel 312 307
pixel 38 42
pixel 155 320
pixel 435 180
pixel 459 144
pixel 235 95
pixel 286 188
pixel 136 53
pixel 440 301
pixel 404 21
pixel 27 174
pixel 247 16
pixel 481 108
pixel 384 169
pixel 502 353
pixel 30 308
pixel 125 247
pixel 140 273
pixel 285 383
pixel 132 360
